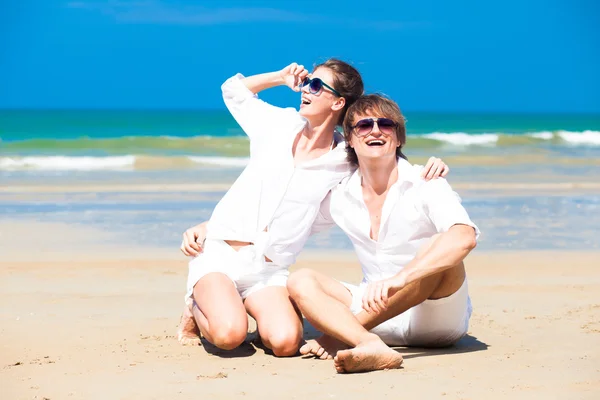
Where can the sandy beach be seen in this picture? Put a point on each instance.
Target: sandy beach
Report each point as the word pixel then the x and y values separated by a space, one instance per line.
pixel 124 123
pixel 99 323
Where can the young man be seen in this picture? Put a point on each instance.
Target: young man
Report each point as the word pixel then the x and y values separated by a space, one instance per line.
pixel 411 237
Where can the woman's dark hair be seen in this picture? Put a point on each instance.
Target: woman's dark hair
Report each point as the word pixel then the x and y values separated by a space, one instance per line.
pixel 346 80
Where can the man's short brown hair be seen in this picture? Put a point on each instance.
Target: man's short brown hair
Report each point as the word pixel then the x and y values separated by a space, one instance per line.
pixel 375 105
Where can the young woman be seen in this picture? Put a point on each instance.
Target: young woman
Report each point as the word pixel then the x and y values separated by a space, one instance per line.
pixel 242 255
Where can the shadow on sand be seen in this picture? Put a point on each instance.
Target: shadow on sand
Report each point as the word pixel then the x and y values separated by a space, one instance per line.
pixel 246 349
pixel 467 344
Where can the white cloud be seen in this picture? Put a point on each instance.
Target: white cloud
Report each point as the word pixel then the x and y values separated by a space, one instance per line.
pixel 159 12
pixel 184 14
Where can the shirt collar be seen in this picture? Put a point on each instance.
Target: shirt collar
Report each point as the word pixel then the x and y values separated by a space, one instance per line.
pixel 407 174
pixel 338 139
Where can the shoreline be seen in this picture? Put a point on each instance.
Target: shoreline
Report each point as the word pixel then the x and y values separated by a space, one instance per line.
pixel 134 187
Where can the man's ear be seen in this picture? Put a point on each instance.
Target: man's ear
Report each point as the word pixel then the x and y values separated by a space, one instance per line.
pixel 339 104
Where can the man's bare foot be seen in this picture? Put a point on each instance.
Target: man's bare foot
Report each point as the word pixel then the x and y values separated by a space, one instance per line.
pixel 325 347
pixel 368 356
pixel 188 332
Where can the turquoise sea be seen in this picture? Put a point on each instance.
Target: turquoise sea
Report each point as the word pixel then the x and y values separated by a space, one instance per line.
pixel 102 133
pixel 528 181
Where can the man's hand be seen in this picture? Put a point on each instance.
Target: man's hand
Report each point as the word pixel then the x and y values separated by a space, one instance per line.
pixel 193 240
pixel 375 299
pixel 293 75
pixel 434 168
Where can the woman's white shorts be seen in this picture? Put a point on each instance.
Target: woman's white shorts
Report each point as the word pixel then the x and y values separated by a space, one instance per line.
pixel 248 275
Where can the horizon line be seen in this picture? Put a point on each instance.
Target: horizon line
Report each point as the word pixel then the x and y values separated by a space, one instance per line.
pixel 191 109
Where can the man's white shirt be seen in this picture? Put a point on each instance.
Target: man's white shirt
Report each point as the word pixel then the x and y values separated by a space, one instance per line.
pixel 414 210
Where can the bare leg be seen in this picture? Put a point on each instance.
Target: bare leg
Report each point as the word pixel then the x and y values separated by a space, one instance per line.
pixel 306 279
pixel 188 332
pixel 433 287
pixel 332 317
pixel 325 303
pixel 279 322
pixel 369 357
pixel 219 311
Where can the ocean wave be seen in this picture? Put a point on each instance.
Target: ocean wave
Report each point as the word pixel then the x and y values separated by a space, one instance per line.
pixel 64 163
pixel 585 137
pixel 234 151
pixel 544 135
pixel 128 163
pixel 462 138
pixel 221 161
pixel 116 163
pixel 147 145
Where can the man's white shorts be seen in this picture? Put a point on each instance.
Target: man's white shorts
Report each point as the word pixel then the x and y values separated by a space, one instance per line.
pixel 247 275
pixel 433 323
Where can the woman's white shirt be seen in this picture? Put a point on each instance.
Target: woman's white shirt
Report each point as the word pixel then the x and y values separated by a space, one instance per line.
pixel 273 203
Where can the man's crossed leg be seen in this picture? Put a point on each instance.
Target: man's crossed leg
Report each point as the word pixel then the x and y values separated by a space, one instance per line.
pixel 351 338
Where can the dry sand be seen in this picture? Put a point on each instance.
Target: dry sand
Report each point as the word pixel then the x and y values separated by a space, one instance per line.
pixel 101 326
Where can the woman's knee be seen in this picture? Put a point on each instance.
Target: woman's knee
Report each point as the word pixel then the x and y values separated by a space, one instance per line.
pixel 283 342
pixel 228 335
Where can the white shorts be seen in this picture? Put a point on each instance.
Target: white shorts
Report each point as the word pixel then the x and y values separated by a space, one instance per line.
pixel 247 275
pixel 433 323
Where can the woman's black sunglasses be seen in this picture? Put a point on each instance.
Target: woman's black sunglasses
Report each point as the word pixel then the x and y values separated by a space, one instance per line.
pixel 316 84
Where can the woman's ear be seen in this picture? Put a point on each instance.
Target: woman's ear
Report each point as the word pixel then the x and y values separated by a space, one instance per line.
pixel 339 104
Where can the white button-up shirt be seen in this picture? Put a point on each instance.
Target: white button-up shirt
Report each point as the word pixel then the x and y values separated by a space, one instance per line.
pixel 414 210
pixel 273 203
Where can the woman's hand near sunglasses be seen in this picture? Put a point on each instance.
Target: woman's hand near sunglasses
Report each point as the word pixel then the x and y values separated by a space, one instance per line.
pixel 293 75
pixel 434 168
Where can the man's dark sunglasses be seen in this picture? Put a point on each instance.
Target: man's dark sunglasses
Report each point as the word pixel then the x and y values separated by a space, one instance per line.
pixel 365 126
pixel 316 84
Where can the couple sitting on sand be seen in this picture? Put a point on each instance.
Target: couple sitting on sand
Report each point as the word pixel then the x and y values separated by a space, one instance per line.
pixel 410 232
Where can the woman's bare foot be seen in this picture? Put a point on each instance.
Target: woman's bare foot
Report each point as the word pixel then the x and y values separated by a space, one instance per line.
pixel 188 332
pixel 367 356
pixel 325 347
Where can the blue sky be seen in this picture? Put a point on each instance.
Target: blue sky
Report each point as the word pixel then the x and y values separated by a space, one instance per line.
pixel 516 56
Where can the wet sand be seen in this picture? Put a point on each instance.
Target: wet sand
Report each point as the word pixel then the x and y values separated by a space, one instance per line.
pixel 88 321
pixel 498 188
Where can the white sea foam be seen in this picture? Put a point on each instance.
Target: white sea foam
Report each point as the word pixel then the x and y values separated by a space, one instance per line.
pixel 66 163
pixel 581 138
pixel 546 135
pixel 221 161
pixel 463 139
pixel 585 138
